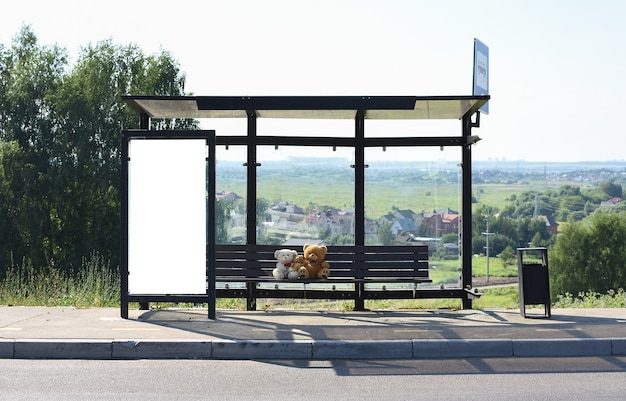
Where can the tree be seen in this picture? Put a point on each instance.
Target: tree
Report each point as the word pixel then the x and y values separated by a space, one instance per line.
pixel 499 242
pixel 508 257
pixel 60 133
pixel 9 230
pixel 450 239
pixel 590 255
pixel 385 236
pixel 325 233
pixel 611 189
pixel 541 235
pixel 29 77
pixel 90 133
pixel 262 207
pixel 339 239
pixel 222 218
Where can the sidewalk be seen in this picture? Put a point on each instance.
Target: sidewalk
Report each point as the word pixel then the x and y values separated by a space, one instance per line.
pixel 99 333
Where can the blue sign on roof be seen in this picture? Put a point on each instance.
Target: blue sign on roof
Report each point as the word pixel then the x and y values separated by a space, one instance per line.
pixel 481 72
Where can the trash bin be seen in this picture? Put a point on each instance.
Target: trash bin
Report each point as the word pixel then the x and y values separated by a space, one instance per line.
pixel 534 282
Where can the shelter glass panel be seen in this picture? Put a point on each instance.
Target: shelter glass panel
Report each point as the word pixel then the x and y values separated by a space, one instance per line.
pixel 411 128
pixel 305 195
pixel 413 195
pixel 305 127
pixel 230 195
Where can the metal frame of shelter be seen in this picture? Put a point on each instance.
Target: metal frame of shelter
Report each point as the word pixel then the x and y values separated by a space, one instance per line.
pixel 357 108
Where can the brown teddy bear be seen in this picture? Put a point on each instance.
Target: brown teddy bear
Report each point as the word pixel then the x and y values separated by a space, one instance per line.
pixel 315 265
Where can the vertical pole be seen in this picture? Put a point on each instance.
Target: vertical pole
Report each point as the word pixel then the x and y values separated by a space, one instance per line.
pixel 359 179
pixel 251 165
pixel 544 262
pixel 359 197
pixel 124 229
pixel 210 218
pixel 487 252
pixel 144 123
pixel 251 222
pixel 487 234
pixel 466 247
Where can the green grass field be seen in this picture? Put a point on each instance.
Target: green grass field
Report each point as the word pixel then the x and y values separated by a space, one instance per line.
pixel 381 193
pixel 498 195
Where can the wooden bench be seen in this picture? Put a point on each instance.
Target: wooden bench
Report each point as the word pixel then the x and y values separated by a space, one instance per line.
pixel 357 273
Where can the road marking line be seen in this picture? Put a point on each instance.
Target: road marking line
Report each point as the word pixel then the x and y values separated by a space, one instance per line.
pixel 11 328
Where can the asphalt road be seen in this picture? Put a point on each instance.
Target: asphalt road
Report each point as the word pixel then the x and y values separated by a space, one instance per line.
pixel 571 379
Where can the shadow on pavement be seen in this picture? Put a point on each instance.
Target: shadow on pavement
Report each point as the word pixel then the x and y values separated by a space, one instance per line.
pixel 383 325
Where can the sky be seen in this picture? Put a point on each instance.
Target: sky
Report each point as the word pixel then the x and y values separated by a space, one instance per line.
pixel 557 68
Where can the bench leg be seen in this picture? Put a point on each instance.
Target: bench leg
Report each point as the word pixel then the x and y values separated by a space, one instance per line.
pixel 359 301
pixel 251 304
pixel 251 300
pixel 467 303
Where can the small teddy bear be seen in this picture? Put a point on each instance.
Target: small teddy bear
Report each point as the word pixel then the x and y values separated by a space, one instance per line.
pixel 298 262
pixel 284 262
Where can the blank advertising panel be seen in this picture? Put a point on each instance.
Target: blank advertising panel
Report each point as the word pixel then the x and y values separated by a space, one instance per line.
pixel 167 216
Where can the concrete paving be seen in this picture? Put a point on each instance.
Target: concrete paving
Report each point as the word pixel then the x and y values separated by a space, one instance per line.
pixel 100 333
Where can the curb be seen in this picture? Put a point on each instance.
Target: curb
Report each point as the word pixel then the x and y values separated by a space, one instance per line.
pixel 319 350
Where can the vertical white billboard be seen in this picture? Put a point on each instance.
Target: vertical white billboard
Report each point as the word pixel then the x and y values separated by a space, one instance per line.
pixel 167 220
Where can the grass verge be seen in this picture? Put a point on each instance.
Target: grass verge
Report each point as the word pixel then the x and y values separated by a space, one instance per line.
pixel 98 285
pixel 94 285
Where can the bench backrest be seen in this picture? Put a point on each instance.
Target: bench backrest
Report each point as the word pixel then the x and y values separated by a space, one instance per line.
pixel 346 261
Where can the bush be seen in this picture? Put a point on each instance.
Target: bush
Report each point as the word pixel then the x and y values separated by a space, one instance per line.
pixel 590 299
pixel 590 256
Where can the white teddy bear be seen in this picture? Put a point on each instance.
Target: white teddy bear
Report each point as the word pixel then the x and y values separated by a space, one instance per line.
pixel 284 259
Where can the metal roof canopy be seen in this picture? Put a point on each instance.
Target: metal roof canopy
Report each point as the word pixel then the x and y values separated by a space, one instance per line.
pixel 308 107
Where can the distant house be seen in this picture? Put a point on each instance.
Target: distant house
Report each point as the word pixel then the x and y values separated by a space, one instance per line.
pixel 451 249
pixel 314 217
pixel 431 243
pixel 371 230
pixel 438 224
pixel 552 225
pixel 284 210
pixel 227 196
pixel 404 214
pixel 403 226
pixel 611 202
pixel 402 221
pixel 337 221
pixel 342 223
pixel 388 218
pixel 450 223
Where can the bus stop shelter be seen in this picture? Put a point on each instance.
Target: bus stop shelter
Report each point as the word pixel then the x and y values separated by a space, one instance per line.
pixel 359 109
